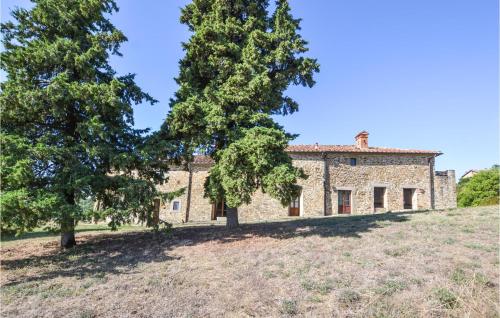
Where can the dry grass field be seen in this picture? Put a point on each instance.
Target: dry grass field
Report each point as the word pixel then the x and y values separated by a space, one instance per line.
pixel 422 264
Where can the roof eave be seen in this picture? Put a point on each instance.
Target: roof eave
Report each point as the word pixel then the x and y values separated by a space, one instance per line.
pixel 435 153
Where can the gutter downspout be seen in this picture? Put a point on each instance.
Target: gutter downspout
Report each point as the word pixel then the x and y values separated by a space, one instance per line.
pixel 188 199
pixel 326 184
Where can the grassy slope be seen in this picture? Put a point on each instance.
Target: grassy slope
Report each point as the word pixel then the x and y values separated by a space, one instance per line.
pixel 384 265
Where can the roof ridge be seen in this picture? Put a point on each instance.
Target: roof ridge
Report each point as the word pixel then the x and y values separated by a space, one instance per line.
pixel 354 148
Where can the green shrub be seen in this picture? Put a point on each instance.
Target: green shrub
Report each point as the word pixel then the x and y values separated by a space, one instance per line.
pixel 458 276
pixel 289 307
pixel 349 296
pixel 483 280
pixel 446 297
pixel 480 189
pixel 323 287
pixel 391 286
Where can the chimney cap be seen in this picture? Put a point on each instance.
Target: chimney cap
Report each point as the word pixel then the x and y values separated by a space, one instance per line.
pixel 362 133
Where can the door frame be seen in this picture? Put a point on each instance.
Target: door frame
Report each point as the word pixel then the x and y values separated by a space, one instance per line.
pixel 349 193
pixel 335 198
pixel 413 198
pixel 299 203
pixel 214 210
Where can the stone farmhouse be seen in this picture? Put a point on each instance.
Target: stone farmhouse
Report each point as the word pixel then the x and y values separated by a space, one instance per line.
pixel 349 179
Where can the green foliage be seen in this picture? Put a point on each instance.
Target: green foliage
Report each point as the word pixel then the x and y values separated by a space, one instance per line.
pixel 67 133
pixel 446 297
pixel 480 189
pixel 239 62
pixel 390 287
pixel 323 287
pixel 289 307
pixel 349 296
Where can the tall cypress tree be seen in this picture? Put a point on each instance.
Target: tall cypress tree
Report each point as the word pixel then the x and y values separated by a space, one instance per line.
pixel 238 64
pixel 67 121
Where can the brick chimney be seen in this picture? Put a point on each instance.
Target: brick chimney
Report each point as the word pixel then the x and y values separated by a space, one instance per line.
pixel 362 140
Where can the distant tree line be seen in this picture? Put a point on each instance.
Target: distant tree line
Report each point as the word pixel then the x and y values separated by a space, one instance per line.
pixel 480 189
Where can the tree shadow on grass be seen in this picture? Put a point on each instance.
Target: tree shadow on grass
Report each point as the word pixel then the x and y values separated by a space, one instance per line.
pixel 45 233
pixel 94 256
pixel 121 253
pixel 336 226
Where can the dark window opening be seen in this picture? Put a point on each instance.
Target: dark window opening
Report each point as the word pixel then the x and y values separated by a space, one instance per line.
pixel 353 161
pixel 379 197
pixel 408 198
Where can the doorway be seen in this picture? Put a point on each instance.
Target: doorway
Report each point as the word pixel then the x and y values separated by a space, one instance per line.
pixel 219 209
pixel 344 201
pixel 294 209
pixel 379 198
pixel 408 195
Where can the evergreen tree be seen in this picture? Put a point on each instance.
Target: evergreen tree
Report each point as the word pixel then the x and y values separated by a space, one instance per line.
pixel 67 121
pixel 238 64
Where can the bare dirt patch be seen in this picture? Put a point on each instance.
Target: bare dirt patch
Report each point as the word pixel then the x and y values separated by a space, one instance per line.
pixel 384 265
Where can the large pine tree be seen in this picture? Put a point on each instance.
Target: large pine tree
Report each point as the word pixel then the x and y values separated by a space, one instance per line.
pixel 239 62
pixel 67 121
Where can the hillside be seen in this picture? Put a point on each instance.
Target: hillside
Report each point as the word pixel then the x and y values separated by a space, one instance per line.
pixel 385 265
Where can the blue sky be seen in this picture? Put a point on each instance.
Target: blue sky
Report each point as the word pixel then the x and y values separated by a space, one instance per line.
pixel 415 74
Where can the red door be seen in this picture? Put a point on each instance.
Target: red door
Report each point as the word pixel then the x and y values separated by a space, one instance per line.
pixel 294 209
pixel 344 202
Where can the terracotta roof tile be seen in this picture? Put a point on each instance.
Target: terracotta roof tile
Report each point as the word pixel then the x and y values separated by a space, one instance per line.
pixel 201 159
pixel 354 149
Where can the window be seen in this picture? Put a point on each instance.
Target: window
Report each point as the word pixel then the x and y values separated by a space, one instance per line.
pixel 176 206
pixel 353 161
pixel 379 197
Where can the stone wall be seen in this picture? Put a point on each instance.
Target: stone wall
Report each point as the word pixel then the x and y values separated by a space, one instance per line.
pixel 311 198
pixel 331 173
pixel 393 172
pixel 178 179
pixel 445 188
pixel 200 209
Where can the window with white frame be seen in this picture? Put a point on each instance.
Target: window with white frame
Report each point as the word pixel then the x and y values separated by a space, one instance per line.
pixel 176 206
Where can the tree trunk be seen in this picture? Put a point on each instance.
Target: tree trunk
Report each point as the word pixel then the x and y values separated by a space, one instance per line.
pixel 232 218
pixel 68 233
pixel 68 225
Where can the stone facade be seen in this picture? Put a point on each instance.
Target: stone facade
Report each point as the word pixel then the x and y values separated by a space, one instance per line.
pixel 445 189
pixel 178 179
pixel 392 172
pixel 330 169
